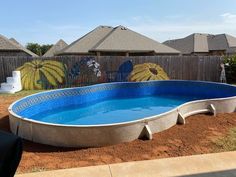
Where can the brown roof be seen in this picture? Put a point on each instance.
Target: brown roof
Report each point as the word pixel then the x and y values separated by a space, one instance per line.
pixel 203 43
pixel 118 39
pixel 56 48
pixel 6 44
pixel 87 42
pixel 12 45
pixel 14 40
pixel 23 48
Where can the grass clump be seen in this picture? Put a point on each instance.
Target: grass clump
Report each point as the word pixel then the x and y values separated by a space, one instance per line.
pixel 227 143
pixel 21 93
pixel 37 169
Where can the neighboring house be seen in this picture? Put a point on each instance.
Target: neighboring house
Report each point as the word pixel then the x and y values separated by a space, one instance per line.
pixel 10 47
pixel 30 53
pixel 56 48
pixel 222 44
pixel 204 44
pixel 119 41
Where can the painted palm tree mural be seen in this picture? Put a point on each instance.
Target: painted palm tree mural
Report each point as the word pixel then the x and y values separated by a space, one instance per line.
pixel 39 74
pixel 147 72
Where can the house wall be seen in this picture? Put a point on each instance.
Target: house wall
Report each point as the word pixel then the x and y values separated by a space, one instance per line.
pixel 218 52
pixel 118 54
pixel 211 53
pixel 231 51
pixel 127 54
pixel 197 54
pixel 113 53
pixel 14 53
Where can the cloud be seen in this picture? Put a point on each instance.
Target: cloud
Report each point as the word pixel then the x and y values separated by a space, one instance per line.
pixel 229 18
pixel 180 27
pixel 160 29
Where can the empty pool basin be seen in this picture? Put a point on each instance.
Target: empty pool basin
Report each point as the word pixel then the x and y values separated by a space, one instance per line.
pixel 111 113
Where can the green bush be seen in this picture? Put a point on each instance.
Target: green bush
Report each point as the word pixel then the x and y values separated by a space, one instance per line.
pixel 230 69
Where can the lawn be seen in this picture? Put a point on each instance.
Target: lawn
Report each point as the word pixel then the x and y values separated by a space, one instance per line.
pixel 21 93
pixel 201 134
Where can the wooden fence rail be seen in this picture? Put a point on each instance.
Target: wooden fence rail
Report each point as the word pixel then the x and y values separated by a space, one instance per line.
pixel 205 68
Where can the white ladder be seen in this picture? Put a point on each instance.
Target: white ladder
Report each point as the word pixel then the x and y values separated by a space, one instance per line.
pixel 13 83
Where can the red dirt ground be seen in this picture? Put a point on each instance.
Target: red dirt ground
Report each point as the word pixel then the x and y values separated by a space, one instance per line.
pixel 193 138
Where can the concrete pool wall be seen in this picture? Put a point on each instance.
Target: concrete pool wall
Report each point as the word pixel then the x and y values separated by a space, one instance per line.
pixel 219 98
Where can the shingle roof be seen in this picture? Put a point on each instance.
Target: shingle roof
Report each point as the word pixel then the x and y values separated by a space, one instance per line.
pixel 118 39
pixel 6 44
pixel 203 43
pixel 23 48
pixel 60 45
pixel 231 40
pixel 13 45
pixel 87 42
pixel 14 40
pixel 190 44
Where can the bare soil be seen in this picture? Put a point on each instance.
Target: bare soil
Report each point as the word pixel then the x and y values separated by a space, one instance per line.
pixel 195 137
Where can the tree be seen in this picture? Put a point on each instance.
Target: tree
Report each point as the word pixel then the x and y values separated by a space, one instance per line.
pixel 38 49
pixel 35 48
pixel 230 69
pixel 45 48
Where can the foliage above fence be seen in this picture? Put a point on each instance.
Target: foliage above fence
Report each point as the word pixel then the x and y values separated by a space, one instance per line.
pixel 230 68
pixel 71 71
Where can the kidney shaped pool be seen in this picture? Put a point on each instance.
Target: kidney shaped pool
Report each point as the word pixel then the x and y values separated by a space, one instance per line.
pixel 88 113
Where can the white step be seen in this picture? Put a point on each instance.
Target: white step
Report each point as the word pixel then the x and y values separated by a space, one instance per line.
pixel 7 86
pixel 16 74
pixel 11 80
pixel 7 91
pixel 13 84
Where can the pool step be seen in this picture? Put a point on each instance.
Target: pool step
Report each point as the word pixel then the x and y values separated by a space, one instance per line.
pixel 209 109
pixel 13 84
pixel 11 80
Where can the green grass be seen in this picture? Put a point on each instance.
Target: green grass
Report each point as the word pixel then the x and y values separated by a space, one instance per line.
pixel 227 143
pixel 21 93
pixel 37 169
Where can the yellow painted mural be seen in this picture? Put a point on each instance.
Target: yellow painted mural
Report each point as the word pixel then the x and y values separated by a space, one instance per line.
pixel 38 73
pixel 147 72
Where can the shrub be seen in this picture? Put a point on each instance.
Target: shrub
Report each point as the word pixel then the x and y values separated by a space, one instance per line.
pixel 230 69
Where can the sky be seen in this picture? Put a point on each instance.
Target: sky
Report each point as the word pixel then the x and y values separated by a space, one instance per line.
pixel 47 21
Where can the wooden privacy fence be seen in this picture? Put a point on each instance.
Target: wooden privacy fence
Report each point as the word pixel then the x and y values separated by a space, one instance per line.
pixel 205 68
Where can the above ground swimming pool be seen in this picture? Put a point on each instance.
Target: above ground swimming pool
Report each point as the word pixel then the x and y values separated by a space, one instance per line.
pixel 112 113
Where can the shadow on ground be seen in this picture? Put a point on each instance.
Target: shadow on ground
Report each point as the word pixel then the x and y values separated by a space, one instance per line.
pixel 4 124
pixel 30 146
pixel 35 147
